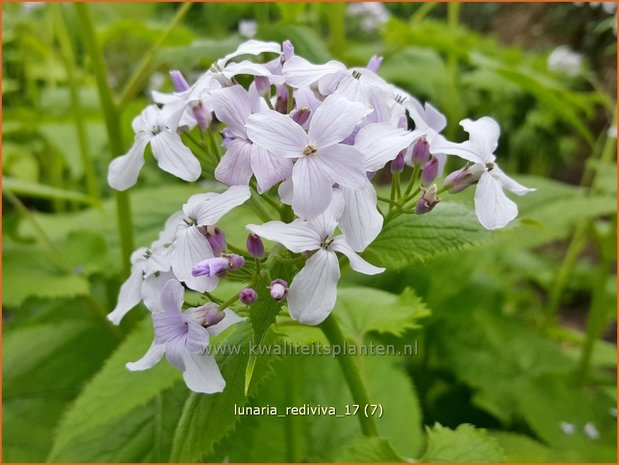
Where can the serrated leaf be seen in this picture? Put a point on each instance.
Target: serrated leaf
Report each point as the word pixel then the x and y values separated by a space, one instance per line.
pixel 361 310
pixel 369 450
pixel 450 227
pixel 465 444
pixel 113 392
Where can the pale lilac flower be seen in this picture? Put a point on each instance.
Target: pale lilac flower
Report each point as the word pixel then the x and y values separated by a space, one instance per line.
pixel 493 208
pixel 313 290
pixel 278 289
pixel 233 105
pixel 567 428
pixel 157 128
pixel 184 338
pixel 321 160
pixel 254 245
pixel 190 245
pixel 591 431
pixel 372 15
pixel 248 28
pixel 566 61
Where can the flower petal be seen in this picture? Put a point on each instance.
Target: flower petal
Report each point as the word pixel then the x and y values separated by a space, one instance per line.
pixel 334 120
pixel 231 105
pixel 277 133
pixel 124 170
pixel 268 169
pixel 340 244
pixel 151 290
pixel 299 72
pixel 297 236
pixel 484 134
pixel 344 165
pixel 313 291
pixel 129 296
pixel 380 143
pixel 174 157
pixel 150 359
pixel 253 69
pixel 190 247
pixel 494 210
pixel 230 319
pixel 325 223
pixel 253 47
pixel 361 221
pixel 212 208
pixel 202 374
pixel 311 192
pixel 509 183
pixel 234 169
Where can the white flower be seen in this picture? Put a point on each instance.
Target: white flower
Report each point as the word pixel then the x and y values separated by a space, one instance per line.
pixel 567 428
pixel 591 431
pixel 493 208
pixel 248 28
pixel 313 290
pixel 184 338
pixel 157 128
pixel 190 246
pixel 321 160
pixel 564 60
pixel 371 14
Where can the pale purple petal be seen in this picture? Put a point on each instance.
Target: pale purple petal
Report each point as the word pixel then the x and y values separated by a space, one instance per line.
pixel 190 247
pixel 201 373
pixel 232 106
pixel 174 157
pixel 129 296
pixel 150 359
pixel 253 47
pixel 268 169
pixel 380 143
pixel 334 120
pixel 313 291
pixel 151 290
pixel 311 187
pixel 234 169
pixel 124 170
pixel 484 134
pixel 297 236
pixel 277 133
pixel 230 319
pixel 325 223
pixel 361 221
pixel 299 72
pixel 494 210
pixel 340 244
pixel 211 209
pixel 285 192
pixel 253 69
pixel 344 165
pixel 509 183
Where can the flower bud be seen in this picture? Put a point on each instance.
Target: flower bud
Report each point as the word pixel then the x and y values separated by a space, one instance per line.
pixel 374 63
pixel 421 152
pixel 460 179
pixel 281 103
pixel 300 115
pixel 288 50
pixel 278 289
pixel 216 238
pixel 427 201
pixel 178 81
pixel 430 171
pixel 263 86
pixel 211 267
pixel 201 115
pixel 209 315
pixel 397 165
pixel 255 247
pixel 235 262
pixel 248 296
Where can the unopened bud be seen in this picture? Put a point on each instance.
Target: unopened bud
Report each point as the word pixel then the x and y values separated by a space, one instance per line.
pixel 300 115
pixel 211 267
pixel 427 201
pixel 216 238
pixel 460 179
pixel 374 63
pixel 235 262
pixel 397 165
pixel 288 50
pixel 278 289
pixel 281 103
pixel 430 171
pixel 421 152
pixel 178 81
pixel 201 115
pixel 255 247
pixel 248 296
pixel 209 315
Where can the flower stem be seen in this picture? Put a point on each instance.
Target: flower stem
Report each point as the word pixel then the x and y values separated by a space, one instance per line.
pixel 352 374
pixel 230 301
pixel 112 124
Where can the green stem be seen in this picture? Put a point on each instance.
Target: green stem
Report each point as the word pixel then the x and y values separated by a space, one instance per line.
pixel 68 58
pixel 229 302
pixel 352 374
pixel 262 213
pixel 139 78
pixel 337 27
pixel 454 107
pixel 412 181
pixel 112 124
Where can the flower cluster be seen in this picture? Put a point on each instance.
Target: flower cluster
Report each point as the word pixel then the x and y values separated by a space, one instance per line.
pixel 320 133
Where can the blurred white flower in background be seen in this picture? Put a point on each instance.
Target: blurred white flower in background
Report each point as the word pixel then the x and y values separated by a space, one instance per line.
pixel 248 28
pixel 371 14
pixel 565 60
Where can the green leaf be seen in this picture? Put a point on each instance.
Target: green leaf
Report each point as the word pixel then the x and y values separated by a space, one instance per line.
pixel 369 450
pixel 465 444
pixel 42 191
pixel 361 310
pixel 113 392
pixel 520 448
pixel 409 238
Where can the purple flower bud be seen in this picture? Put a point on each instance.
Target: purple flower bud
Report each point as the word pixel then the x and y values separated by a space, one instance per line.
pixel 235 262
pixel 178 81
pixel 430 171
pixel 427 201
pixel 278 289
pixel 374 63
pixel 248 296
pixel 263 86
pixel 421 152
pixel 397 165
pixel 209 315
pixel 460 179
pixel 255 247
pixel 216 238
pixel 300 115
pixel 288 50
pixel 211 267
pixel 281 103
pixel 201 115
